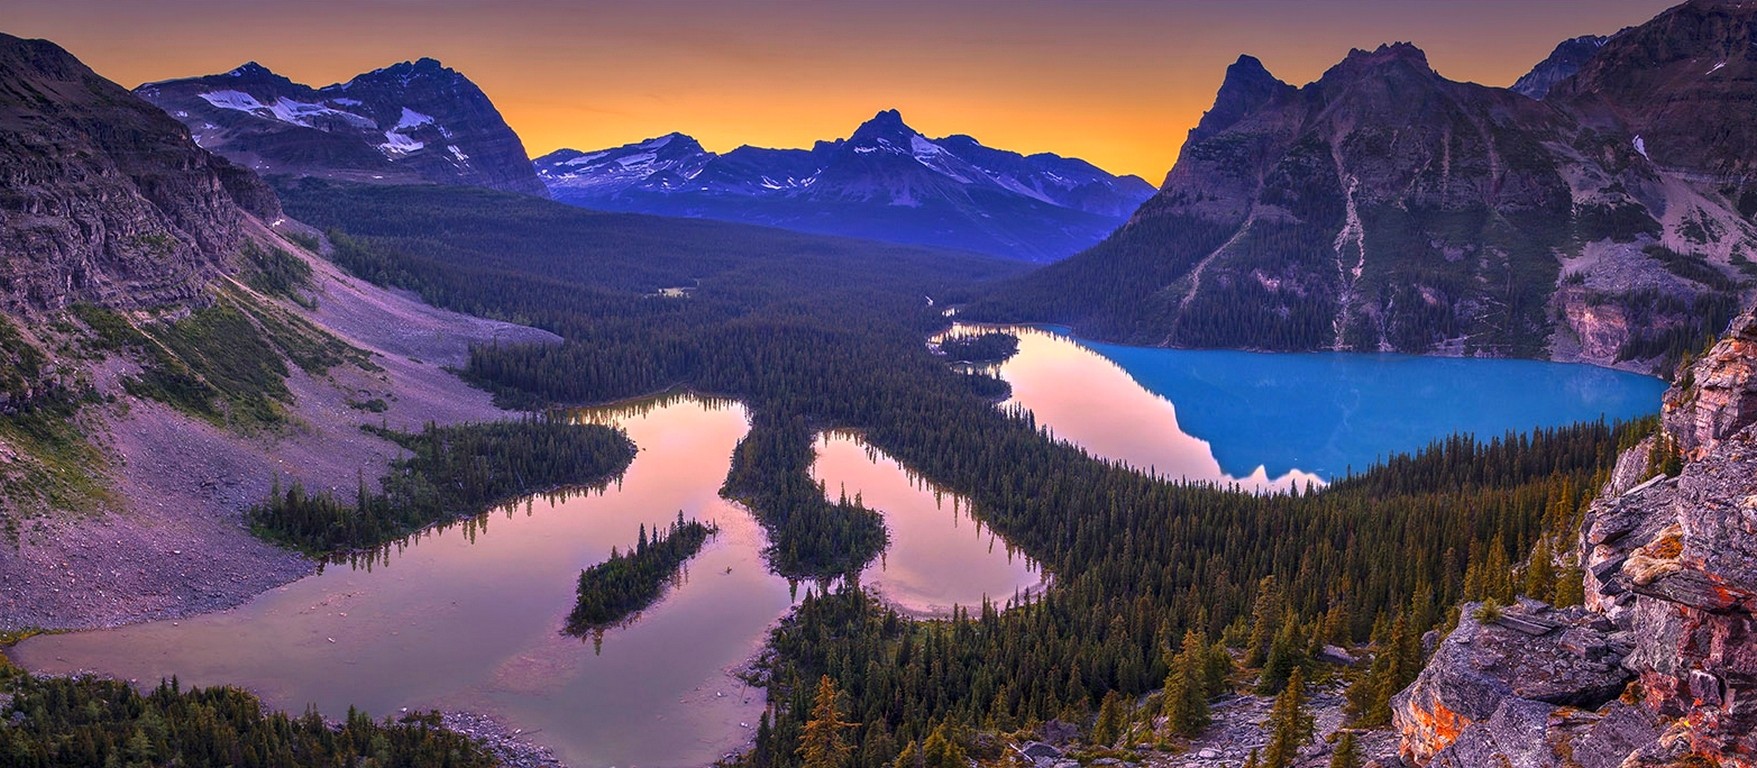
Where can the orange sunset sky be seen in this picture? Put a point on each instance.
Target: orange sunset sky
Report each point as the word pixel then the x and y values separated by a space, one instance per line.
pixel 1117 82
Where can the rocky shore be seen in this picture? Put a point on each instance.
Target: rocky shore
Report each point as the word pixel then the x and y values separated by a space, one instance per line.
pixel 508 745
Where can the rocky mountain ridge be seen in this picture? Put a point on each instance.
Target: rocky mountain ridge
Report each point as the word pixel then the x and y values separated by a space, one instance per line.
pixel 169 344
pixel 1384 207
pixel 1660 667
pixel 107 202
pixel 1561 64
pixel 411 122
pixel 886 181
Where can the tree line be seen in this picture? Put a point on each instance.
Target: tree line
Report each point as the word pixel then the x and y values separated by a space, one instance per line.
pixel 450 472
pixel 1139 563
pixel 86 722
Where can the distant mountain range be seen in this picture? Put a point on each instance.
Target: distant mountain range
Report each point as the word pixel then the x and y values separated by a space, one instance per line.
pixel 1386 208
pixel 886 181
pixel 407 123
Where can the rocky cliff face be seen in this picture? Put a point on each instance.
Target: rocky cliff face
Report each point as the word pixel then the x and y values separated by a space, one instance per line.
pixel 1385 207
pixel 407 123
pixel 1671 584
pixel 1721 396
pixel 1682 83
pixel 1563 63
pixel 105 199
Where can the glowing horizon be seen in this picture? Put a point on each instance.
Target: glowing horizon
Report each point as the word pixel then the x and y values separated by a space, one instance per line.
pixel 1115 82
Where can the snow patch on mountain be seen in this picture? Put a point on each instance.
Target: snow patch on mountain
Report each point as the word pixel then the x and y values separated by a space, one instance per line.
pixel 413 119
pixel 397 144
pixel 286 110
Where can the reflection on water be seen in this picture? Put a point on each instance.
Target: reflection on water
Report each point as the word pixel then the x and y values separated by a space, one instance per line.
pixel 940 555
pixel 470 617
pixel 1080 396
pixel 1266 421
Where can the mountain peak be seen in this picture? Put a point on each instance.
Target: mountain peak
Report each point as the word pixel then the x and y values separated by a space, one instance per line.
pixel 1247 86
pixel 1563 62
pixel 250 69
pixel 1376 63
pixel 888 125
pixel 1248 67
pixel 674 143
pixel 888 115
pixel 405 71
pixel 887 119
pixel 1389 52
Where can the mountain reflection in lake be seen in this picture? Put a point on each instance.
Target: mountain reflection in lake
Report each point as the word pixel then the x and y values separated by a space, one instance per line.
pixel 940 555
pixel 1269 421
pixel 472 622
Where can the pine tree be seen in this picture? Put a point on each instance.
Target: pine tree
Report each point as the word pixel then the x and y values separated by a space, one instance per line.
pixel 943 749
pixel 1347 754
pixel 1186 692
pixel 1540 574
pixel 1570 587
pixel 1265 612
pixel 763 753
pixel 910 757
pixel 821 744
pixel 1286 654
pixel 1219 669
pixel 1109 727
pixel 1290 724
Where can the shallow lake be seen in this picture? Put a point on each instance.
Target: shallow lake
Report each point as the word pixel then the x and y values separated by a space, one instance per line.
pixel 940 555
pixel 1265 421
pixel 469 617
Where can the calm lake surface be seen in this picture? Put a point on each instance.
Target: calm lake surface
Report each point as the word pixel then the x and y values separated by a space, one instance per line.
pixel 1265 421
pixel 940 554
pixel 469 617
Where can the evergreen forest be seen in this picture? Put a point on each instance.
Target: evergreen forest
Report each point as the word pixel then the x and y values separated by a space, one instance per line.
pixel 814 333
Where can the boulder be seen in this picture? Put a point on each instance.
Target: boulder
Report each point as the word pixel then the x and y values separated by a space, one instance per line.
pixel 1331 654
pixel 1479 667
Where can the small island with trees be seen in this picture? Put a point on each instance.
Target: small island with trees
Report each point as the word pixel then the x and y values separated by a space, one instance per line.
pixel 982 348
pixel 611 591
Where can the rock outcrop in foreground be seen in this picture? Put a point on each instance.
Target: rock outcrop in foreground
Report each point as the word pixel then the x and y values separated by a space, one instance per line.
pixel 1660 667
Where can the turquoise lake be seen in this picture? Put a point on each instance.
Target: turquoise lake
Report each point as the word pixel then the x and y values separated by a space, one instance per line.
pixel 1270 420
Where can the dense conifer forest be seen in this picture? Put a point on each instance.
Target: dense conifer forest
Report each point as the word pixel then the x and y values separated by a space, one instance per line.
pixel 979 347
pixel 1140 564
pixel 450 472
pixel 54 722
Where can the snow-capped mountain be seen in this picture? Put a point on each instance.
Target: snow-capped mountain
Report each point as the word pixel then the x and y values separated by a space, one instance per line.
pixel 411 122
pixel 886 181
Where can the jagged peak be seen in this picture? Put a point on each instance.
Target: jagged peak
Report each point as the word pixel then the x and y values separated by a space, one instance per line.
pixel 1247 86
pixel 423 64
pixel 887 124
pixel 1248 68
pixel 887 117
pixel 1377 63
pixel 406 71
pixel 1403 52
